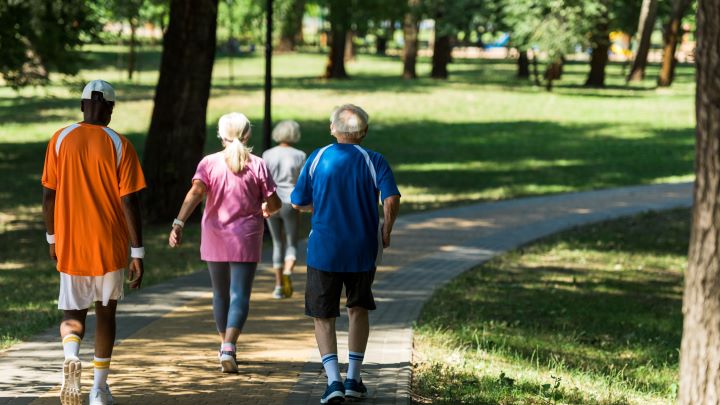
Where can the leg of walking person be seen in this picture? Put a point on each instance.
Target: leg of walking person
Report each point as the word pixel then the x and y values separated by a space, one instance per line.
pixel 360 300
pixel 275 223
pixel 220 278
pixel 291 220
pixel 72 330
pixel 358 333
pixel 322 303
pixel 241 280
pixel 105 328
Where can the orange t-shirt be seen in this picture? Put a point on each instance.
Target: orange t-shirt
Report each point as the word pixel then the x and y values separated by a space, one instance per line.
pixel 91 167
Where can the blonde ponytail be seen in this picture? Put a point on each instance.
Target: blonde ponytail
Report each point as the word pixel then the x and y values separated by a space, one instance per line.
pixel 234 130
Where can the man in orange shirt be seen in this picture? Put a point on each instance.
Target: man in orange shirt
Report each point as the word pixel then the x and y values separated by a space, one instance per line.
pixel 91 181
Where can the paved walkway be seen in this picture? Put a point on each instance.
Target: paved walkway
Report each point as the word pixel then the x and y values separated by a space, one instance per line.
pixel 166 351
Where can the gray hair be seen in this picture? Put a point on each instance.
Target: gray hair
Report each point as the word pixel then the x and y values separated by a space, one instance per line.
pixel 349 121
pixel 234 129
pixel 286 131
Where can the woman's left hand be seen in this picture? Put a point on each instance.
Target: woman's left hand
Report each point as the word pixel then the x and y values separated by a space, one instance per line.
pixel 175 236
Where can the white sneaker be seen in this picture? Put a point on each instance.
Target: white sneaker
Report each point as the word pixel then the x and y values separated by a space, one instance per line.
pixel 101 396
pixel 70 393
pixel 278 293
pixel 228 363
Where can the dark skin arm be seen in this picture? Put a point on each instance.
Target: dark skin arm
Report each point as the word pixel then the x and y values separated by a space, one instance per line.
pixel 131 209
pixel 48 205
pixel 391 208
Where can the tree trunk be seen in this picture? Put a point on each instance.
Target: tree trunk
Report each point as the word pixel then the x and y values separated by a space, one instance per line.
pixel 381 45
pixel 176 138
pixel 523 64
pixel 672 34
pixel 291 32
pixel 536 70
pixel 132 55
pixel 601 45
pixel 700 348
pixel 553 72
pixel 648 12
pixel 441 57
pixel 339 17
pixel 410 37
pixel 349 46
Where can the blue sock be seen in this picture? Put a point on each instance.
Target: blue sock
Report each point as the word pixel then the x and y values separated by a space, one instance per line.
pixel 356 360
pixel 330 362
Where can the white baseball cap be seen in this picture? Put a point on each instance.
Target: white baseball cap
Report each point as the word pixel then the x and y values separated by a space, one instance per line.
pixel 99 85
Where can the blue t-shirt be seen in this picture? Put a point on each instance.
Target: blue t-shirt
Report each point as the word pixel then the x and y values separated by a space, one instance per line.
pixel 342 182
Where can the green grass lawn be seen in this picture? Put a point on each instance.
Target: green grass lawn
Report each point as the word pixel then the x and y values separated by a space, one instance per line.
pixel 482 135
pixel 588 316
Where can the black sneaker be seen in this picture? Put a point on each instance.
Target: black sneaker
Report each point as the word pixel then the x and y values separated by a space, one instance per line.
pixel 334 394
pixel 355 389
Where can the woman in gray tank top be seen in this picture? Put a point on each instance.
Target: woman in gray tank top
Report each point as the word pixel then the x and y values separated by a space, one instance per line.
pixel 284 163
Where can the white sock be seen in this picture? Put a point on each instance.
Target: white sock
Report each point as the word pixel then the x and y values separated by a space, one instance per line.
pixel 332 369
pixel 355 362
pixel 71 345
pixel 102 369
pixel 228 347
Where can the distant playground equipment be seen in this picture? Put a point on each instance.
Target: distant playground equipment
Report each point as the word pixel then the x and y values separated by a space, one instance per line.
pixel 501 42
pixel 620 46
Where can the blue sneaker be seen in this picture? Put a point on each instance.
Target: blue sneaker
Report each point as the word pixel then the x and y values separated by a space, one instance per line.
pixel 334 394
pixel 355 389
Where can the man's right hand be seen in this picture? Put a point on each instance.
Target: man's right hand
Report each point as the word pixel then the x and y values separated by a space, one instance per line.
pixel 53 256
pixel 135 273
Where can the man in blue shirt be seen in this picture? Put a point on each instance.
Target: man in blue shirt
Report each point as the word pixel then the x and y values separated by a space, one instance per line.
pixel 341 183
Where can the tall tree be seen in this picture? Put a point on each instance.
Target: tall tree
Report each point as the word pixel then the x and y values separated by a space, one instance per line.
pixel 177 132
pixel 671 35
pixel 291 28
pixel 700 348
pixel 410 36
pixel 42 36
pixel 340 17
pixel 646 23
pixel 600 42
pixel 129 11
pixel 523 64
pixel 451 17
pixel 442 51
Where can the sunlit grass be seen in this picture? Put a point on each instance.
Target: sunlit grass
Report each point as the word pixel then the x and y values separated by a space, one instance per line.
pixel 596 310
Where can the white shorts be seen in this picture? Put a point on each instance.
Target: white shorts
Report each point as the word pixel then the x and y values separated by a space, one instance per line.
pixel 79 292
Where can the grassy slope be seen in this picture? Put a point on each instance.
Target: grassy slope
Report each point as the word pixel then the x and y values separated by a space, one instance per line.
pixel 598 307
pixel 481 135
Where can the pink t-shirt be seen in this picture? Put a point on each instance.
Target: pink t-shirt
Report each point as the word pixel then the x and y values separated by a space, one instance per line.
pixel 232 224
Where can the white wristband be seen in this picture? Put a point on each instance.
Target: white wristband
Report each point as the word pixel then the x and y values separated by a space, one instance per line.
pixel 179 223
pixel 50 238
pixel 137 252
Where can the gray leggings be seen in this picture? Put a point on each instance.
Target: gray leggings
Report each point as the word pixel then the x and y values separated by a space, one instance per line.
pixel 231 283
pixel 290 219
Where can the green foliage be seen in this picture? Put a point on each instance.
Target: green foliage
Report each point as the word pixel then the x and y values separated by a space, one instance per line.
pixel 453 16
pixel 244 19
pixel 555 27
pixel 40 36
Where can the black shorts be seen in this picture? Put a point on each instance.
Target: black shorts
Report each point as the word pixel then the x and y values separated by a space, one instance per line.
pixel 323 289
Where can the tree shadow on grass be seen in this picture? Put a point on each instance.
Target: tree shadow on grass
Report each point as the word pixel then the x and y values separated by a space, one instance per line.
pixel 459 161
pixel 622 326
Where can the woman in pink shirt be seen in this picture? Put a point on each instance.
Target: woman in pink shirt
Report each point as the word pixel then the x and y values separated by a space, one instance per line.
pixel 240 192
